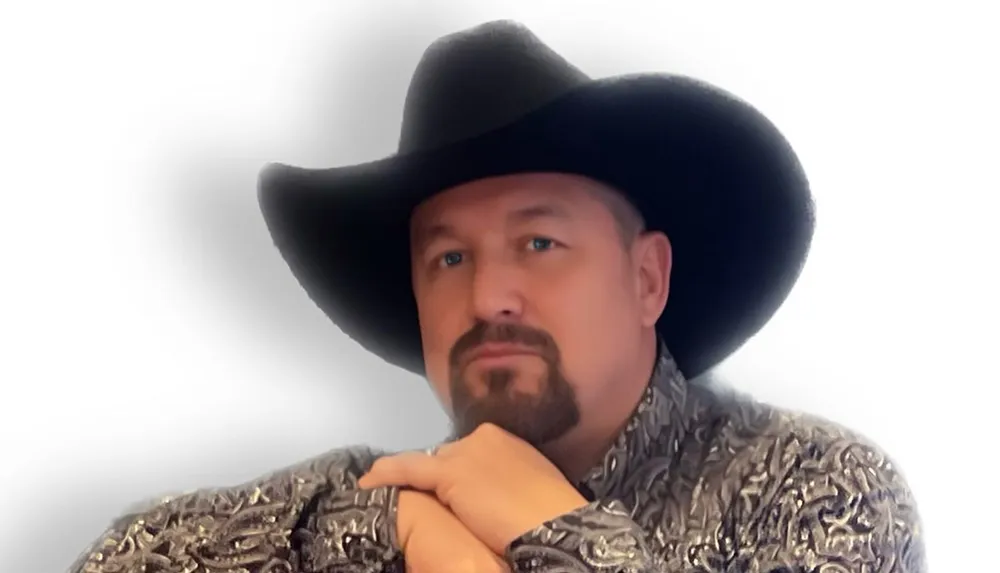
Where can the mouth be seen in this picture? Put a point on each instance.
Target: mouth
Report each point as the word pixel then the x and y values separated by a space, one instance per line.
pixel 496 351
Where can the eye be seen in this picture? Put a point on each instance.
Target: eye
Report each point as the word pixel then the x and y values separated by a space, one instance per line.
pixel 450 259
pixel 541 244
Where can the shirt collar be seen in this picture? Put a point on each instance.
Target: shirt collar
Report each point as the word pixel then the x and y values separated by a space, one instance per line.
pixel 655 429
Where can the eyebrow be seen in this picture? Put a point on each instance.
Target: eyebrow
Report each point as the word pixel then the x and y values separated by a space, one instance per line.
pixel 436 231
pixel 539 211
pixel 425 235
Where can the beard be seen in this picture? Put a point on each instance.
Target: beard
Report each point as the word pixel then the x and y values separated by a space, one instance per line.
pixel 537 417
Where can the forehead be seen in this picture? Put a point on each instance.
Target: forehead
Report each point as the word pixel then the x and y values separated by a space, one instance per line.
pixel 499 196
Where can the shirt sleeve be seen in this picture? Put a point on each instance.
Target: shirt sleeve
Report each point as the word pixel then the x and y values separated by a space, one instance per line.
pixel 838 505
pixel 307 518
pixel 353 531
pixel 600 537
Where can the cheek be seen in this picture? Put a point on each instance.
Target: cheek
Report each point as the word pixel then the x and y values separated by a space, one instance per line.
pixel 590 313
pixel 442 322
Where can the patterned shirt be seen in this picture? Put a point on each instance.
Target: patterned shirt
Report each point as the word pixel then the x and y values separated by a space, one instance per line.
pixel 700 479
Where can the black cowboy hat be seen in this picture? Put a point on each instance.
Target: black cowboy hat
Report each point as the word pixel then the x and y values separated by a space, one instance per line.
pixel 701 165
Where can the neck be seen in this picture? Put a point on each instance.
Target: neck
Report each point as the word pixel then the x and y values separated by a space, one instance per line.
pixel 577 452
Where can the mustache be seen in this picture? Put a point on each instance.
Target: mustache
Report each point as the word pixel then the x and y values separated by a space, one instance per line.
pixel 504 333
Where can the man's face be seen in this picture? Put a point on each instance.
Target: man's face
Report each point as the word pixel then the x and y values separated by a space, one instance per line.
pixel 530 302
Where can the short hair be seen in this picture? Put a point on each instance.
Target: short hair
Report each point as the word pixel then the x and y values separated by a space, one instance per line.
pixel 628 219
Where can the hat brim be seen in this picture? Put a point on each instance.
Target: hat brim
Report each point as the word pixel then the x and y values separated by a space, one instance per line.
pixel 701 165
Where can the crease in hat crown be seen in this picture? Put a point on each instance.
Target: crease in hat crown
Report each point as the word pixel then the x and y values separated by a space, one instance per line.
pixel 474 81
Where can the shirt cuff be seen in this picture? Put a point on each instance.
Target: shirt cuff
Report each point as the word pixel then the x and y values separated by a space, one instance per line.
pixel 600 537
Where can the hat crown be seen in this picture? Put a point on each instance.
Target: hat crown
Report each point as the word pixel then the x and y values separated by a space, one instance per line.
pixel 477 80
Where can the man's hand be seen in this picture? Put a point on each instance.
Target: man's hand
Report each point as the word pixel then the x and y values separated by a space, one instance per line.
pixel 435 541
pixel 495 483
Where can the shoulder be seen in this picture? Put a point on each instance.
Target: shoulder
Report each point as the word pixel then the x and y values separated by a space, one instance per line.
pixel 815 488
pixel 785 444
pixel 223 529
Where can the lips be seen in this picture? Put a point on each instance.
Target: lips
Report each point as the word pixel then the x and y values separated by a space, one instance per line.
pixel 493 350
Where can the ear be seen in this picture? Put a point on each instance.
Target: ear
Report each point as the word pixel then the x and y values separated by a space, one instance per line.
pixel 654 257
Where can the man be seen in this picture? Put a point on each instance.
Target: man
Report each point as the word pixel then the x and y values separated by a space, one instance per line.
pixel 559 256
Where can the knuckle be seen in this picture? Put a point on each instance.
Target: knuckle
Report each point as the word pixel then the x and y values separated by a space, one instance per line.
pixel 487 428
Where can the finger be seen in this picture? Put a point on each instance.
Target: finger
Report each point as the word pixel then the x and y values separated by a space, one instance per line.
pixel 410 469
pixel 445 449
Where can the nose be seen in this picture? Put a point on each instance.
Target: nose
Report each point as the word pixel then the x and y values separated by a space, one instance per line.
pixel 496 292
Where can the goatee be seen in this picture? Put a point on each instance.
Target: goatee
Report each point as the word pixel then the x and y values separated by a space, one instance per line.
pixel 538 417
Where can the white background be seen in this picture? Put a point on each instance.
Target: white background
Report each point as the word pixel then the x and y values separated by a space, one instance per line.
pixel 153 341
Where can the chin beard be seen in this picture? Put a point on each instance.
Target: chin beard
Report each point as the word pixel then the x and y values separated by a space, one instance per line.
pixel 537 419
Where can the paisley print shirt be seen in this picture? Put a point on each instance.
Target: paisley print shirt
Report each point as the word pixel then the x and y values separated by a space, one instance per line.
pixel 699 480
